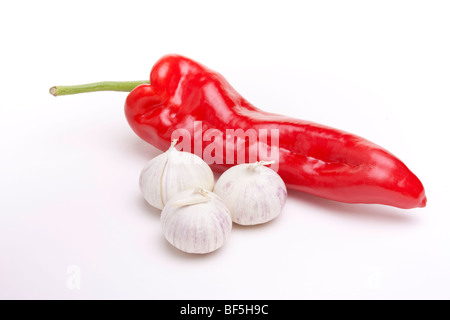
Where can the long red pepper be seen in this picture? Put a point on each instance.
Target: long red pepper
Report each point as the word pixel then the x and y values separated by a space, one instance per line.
pixel 313 158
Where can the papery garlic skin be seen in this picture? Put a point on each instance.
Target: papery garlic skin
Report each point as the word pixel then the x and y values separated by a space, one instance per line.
pixel 254 193
pixel 196 221
pixel 172 172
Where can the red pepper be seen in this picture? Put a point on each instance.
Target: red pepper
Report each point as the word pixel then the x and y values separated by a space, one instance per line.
pixel 313 158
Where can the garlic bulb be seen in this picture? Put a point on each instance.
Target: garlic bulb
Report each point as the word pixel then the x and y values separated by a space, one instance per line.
pixel 254 193
pixel 196 221
pixel 172 172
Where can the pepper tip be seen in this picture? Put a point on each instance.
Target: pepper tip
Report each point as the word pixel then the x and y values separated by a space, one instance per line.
pixel 423 203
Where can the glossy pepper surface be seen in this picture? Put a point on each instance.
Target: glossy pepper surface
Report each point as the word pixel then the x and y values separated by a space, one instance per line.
pixel 313 158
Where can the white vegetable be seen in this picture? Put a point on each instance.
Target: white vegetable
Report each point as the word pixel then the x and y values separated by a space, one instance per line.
pixel 172 172
pixel 196 221
pixel 254 193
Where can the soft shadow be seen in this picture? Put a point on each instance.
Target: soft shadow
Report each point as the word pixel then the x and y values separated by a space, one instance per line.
pixel 362 212
pixel 148 209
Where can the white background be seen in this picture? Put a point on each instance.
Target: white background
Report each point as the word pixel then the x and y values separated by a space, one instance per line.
pixel 70 204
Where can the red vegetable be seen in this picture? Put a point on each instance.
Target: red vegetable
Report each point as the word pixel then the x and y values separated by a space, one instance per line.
pixel 313 158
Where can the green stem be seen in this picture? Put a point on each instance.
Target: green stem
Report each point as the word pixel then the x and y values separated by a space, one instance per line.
pixel 124 86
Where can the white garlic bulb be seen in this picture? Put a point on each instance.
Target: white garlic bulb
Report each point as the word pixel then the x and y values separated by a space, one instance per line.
pixel 172 172
pixel 196 221
pixel 254 193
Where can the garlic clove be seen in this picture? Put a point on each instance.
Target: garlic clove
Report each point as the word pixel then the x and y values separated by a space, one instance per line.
pixel 185 171
pixel 254 193
pixel 196 221
pixel 150 181
pixel 172 172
